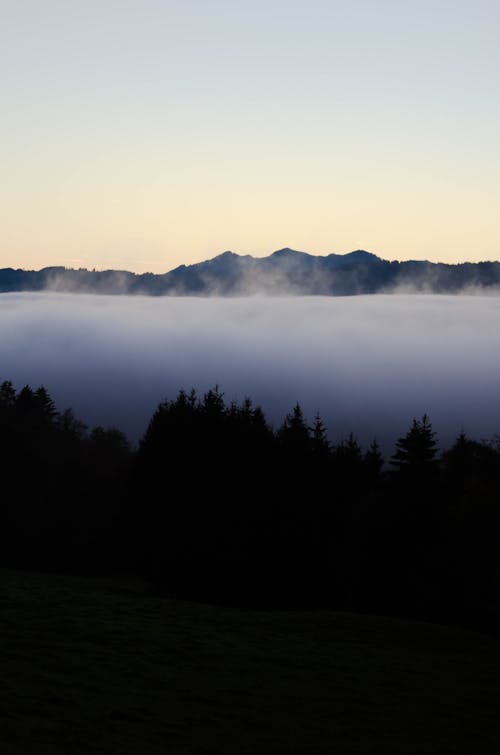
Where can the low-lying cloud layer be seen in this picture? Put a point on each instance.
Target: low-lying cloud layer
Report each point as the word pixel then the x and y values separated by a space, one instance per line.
pixel 368 364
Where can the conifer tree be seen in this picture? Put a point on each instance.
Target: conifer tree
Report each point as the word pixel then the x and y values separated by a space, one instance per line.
pixel 319 441
pixel 373 461
pixel 293 434
pixel 45 404
pixel 7 394
pixel 416 451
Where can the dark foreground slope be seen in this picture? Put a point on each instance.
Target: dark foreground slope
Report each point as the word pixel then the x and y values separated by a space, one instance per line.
pixel 285 272
pixel 94 666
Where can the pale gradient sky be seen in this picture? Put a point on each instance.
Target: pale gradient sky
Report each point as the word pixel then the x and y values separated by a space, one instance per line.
pixel 144 134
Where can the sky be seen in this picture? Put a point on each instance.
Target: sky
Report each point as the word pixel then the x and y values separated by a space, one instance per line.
pixel 143 134
pixel 367 364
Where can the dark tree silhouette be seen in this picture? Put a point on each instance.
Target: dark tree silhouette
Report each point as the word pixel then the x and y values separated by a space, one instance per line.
pixel 348 454
pixel 294 435
pixel 70 426
pixel 7 395
pixel 373 462
pixel 46 404
pixel 416 451
pixel 320 445
pixel 215 505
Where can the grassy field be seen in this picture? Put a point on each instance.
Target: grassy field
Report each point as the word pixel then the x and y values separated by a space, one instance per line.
pixel 94 666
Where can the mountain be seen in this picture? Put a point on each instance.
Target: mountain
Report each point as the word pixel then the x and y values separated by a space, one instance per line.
pixel 284 272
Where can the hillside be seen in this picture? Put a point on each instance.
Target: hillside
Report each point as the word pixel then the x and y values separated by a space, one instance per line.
pixel 94 666
pixel 285 272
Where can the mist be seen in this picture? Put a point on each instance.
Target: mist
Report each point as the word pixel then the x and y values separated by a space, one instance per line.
pixel 367 364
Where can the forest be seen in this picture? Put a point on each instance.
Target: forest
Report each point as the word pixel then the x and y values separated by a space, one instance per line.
pixel 215 505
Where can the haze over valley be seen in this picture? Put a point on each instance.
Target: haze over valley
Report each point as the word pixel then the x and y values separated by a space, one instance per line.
pixel 366 364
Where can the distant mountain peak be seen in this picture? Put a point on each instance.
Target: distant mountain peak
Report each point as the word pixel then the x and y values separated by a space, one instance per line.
pixel 225 255
pixel 286 252
pixel 361 254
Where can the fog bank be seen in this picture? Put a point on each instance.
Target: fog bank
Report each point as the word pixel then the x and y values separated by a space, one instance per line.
pixel 368 364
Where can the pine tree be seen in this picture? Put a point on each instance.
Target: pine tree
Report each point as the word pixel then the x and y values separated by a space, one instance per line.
pixel 7 395
pixel 319 440
pixel 293 435
pixel 416 451
pixel 373 461
pixel 45 404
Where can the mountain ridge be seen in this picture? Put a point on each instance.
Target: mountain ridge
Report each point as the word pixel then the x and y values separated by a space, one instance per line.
pixel 285 271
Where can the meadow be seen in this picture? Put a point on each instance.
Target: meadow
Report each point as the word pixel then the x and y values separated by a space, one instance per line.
pixel 107 666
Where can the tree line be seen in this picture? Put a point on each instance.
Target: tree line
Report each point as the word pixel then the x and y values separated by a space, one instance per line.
pixel 230 274
pixel 217 505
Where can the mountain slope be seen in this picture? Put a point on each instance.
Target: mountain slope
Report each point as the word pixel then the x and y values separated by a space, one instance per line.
pixel 285 272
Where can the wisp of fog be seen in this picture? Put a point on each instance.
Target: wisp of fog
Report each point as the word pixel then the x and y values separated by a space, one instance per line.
pixel 367 364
